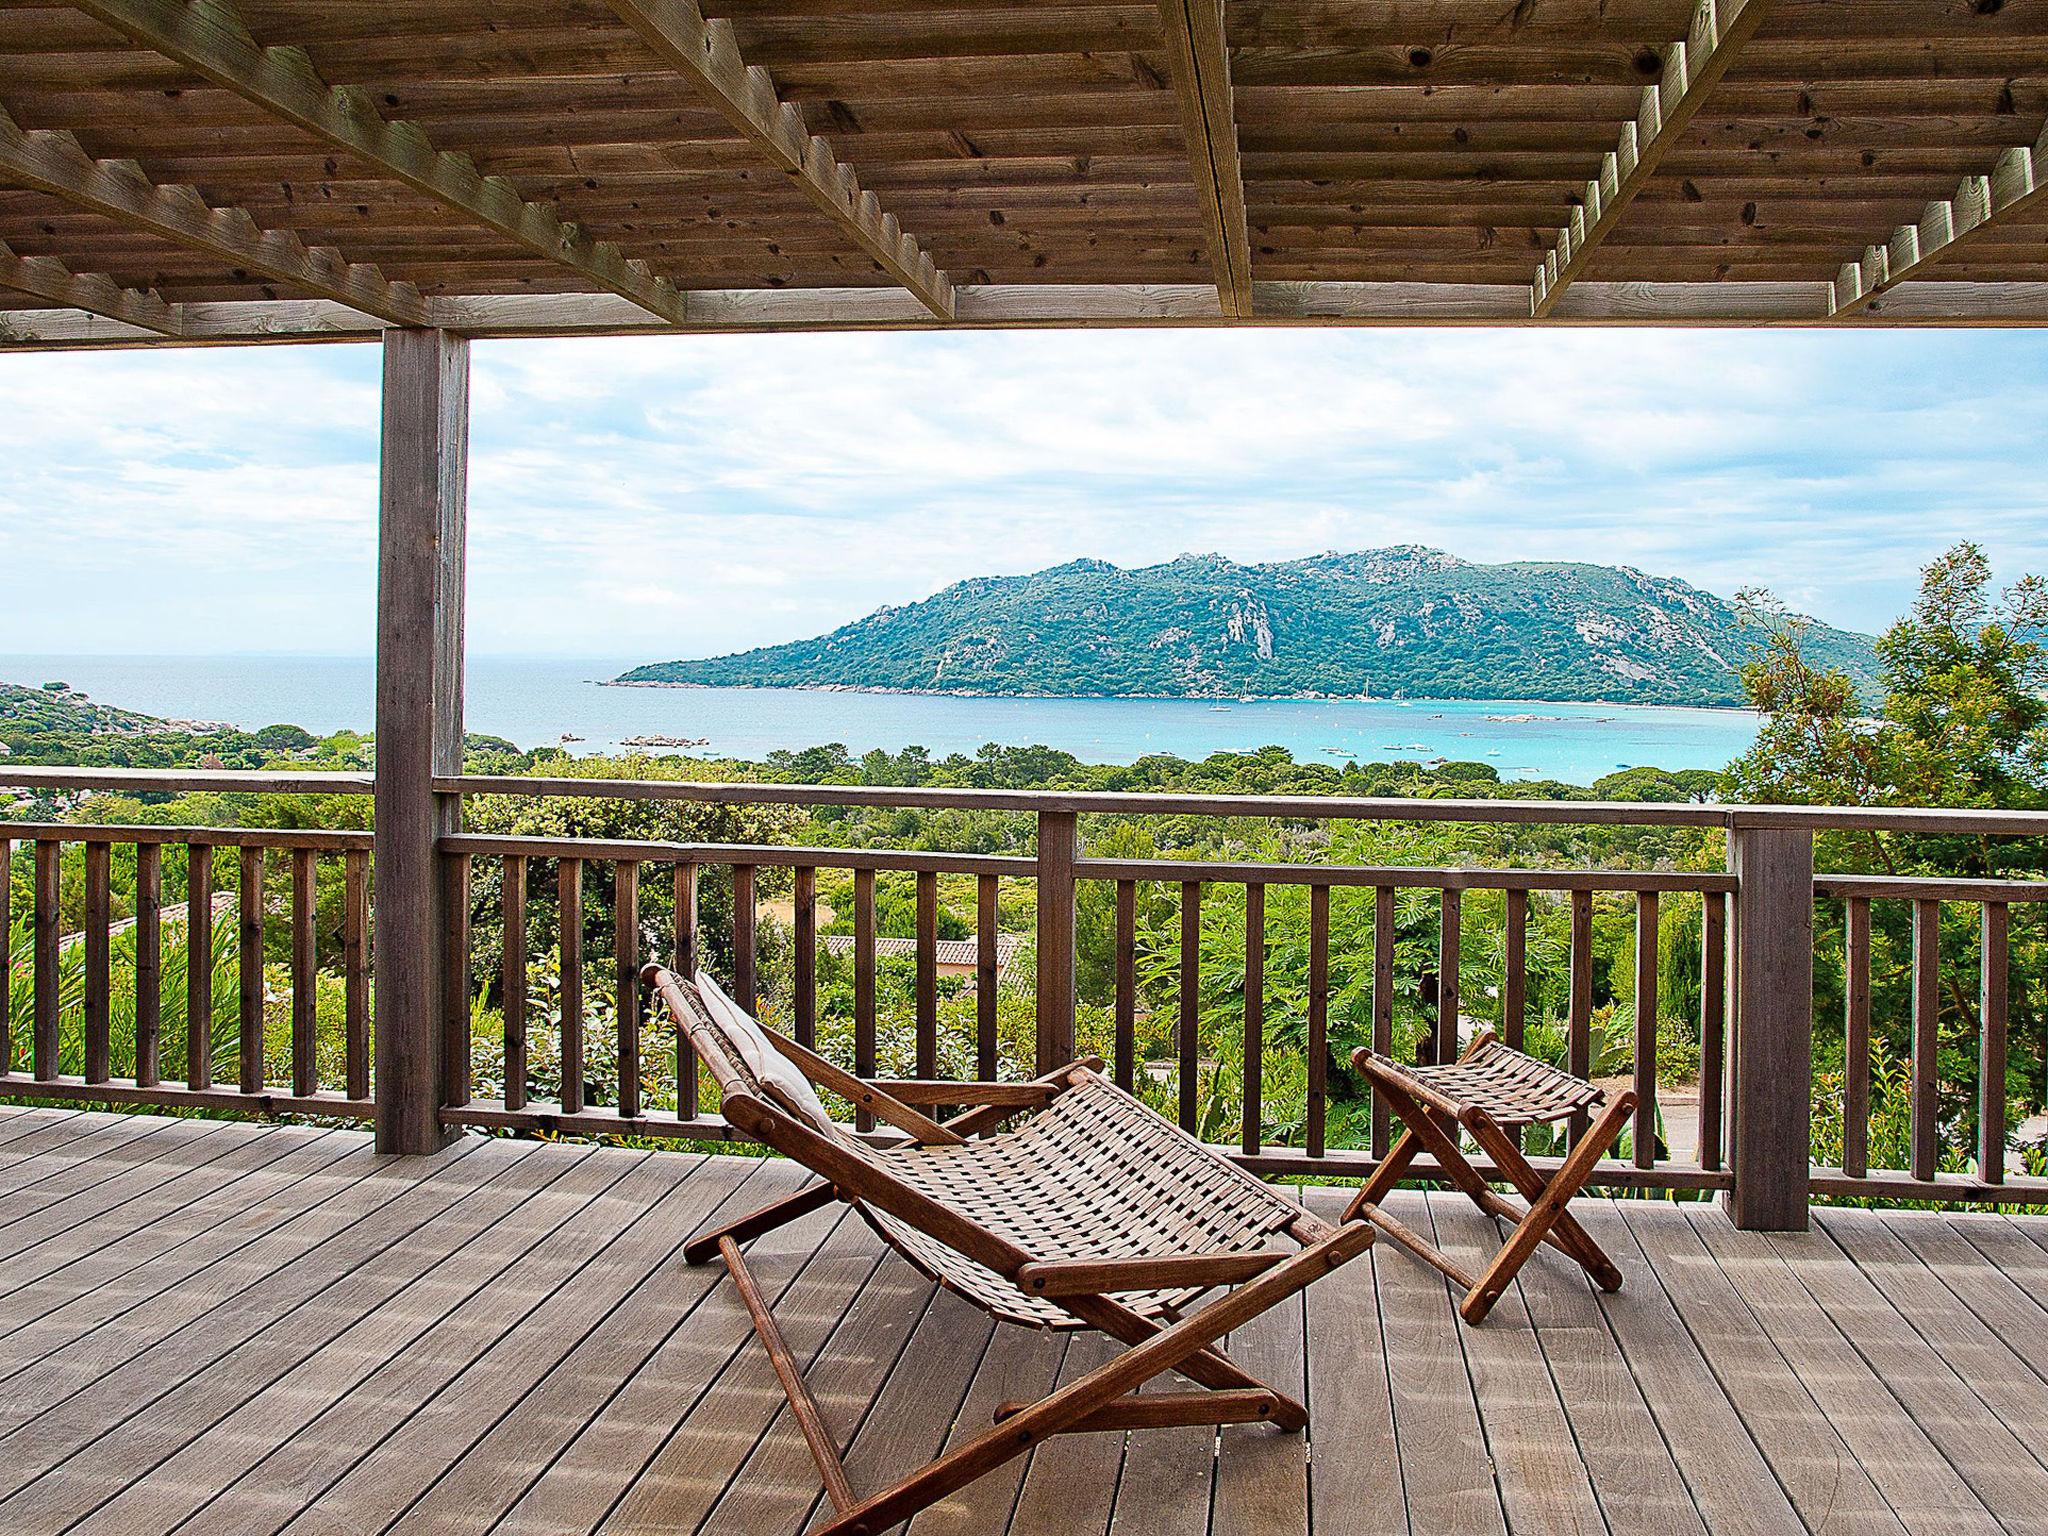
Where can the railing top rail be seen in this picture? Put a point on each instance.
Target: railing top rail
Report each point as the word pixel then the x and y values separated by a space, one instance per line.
pixel 1931 888
pixel 1972 822
pixel 1405 876
pixel 189 781
pixel 1301 807
pixel 212 837
pixel 784 856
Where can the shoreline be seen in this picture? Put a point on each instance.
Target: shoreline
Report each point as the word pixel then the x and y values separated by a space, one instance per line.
pixel 1158 698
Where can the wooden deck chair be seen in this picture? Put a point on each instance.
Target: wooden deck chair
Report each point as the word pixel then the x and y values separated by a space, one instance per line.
pixel 1093 1212
pixel 1489 1092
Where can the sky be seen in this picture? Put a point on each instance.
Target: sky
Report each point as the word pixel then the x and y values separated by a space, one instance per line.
pixel 650 498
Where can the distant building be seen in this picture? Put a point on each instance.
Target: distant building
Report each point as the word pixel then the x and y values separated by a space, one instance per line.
pixel 956 957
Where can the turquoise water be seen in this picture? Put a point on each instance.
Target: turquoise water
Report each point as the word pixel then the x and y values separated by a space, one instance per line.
pixel 535 703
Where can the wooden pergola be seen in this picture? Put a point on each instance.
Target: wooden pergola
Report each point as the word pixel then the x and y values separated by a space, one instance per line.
pixel 425 172
pixel 238 170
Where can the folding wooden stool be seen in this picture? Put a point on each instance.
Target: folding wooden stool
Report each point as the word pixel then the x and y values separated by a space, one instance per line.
pixel 1489 1092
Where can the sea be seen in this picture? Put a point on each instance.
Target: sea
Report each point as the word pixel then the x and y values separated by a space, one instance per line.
pixel 536 703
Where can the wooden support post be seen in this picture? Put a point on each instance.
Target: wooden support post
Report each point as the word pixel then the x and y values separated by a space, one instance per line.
pixel 419 719
pixel 1059 845
pixel 1771 1107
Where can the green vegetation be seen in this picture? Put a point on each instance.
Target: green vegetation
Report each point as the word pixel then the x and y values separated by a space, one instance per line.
pixel 1400 622
pixel 1962 722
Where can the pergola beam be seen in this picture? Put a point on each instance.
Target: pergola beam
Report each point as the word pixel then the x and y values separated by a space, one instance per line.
pixel 1693 66
pixel 208 37
pixel 44 277
pixel 54 163
pixel 1199 61
pixel 705 54
pixel 2018 183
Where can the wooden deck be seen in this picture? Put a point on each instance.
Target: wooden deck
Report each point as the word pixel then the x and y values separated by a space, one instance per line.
pixel 224 1328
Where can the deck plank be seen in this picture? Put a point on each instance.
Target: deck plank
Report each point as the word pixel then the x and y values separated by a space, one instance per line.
pixel 1997 1467
pixel 237 1329
pixel 130 1414
pixel 1732 1485
pixel 1915 1479
pixel 1627 1458
pixel 921 1400
pixel 529 1439
pixel 705 1385
pixel 241 1474
pixel 1355 1484
pixel 1445 1472
pixel 632 1230
pixel 1543 1479
pixel 91 1252
pixel 1820 1474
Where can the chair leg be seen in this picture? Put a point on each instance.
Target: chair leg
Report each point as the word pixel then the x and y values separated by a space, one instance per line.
pixel 824 1449
pixel 1057 1413
pixel 704 1247
pixel 1208 1367
pixel 1565 1233
pixel 1547 1210
pixel 1384 1177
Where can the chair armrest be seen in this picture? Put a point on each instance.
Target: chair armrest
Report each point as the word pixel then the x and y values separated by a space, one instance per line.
pixel 933 1091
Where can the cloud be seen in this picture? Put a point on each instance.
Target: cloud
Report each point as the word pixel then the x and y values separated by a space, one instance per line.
pixel 672 496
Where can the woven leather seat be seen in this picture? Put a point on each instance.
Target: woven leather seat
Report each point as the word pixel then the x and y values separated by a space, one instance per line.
pixel 1515 1089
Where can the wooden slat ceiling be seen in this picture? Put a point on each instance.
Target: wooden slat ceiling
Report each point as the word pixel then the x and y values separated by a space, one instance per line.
pixel 1400 161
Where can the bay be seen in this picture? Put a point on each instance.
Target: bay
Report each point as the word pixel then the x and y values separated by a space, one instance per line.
pixel 539 702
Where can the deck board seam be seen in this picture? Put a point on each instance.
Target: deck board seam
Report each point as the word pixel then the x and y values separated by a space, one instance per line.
pixel 654 1213
pixel 1714 1375
pixel 511 1261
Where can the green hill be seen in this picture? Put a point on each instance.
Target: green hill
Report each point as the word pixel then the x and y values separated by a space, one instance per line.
pixel 1400 622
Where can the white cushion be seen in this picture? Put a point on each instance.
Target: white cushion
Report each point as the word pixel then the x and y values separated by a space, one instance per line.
pixel 762 1060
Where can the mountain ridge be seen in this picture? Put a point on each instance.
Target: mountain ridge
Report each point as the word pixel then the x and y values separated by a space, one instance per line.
pixel 1406 621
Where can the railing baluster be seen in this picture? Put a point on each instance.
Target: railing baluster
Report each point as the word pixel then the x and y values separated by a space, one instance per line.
pixel 1579 1042
pixel 149 962
pixel 457 992
pixel 626 956
pixel 1856 1037
pixel 744 987
pixel 1126 982
pixel 1190 998
pixel 1995 985
pixel 805 979
pixel 1645 1138
pixel 1318 1017
pixel 512 982
pixel 1514 989
pixel 355 971
pixel 199 966
pixel 6 957
pixel 305 975
pixel 250 969
pixel 99 981
pixel 49 871
pixel 1251 1131
pixel 569 925
pixel 927 974
pixel 987 942
pixel 1382 1002
pixel 1926 1036
pixel 1713 1023
pixel 1442 1042
pixel 686 967
pixel 864 982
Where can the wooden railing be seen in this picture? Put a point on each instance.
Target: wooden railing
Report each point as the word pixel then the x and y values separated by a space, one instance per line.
pixel 218 873
pixel 1754 1019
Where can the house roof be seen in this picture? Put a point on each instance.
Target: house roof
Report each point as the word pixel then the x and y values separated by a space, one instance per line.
pixel 259 169
pixel 949 952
